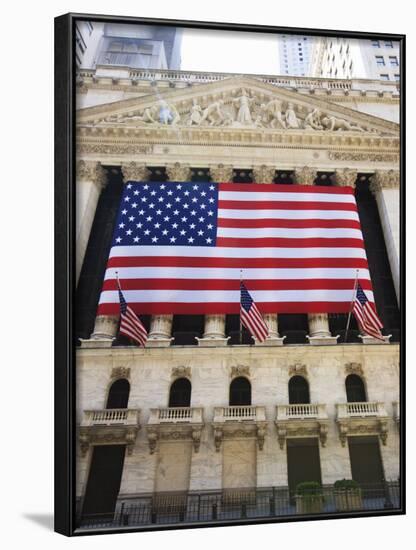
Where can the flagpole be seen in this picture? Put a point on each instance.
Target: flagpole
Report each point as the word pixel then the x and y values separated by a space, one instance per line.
pixel 351 305
pixel 241 324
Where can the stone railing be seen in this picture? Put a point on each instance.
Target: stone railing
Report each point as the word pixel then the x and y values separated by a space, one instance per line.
pixel 239 413
pixel 360 409
pixel 171 77
pixel 111 417
pixel 176 414
pixel 301 411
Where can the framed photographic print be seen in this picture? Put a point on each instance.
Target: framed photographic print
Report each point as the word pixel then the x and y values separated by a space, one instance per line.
pixel 229 299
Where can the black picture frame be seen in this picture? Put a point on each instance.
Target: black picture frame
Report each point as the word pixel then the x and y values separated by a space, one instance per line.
pixel 65 385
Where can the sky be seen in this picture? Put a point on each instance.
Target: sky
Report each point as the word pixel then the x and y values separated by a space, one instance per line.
pixel 229 51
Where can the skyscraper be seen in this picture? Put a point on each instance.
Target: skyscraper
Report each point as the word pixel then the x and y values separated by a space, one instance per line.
pixel 295 54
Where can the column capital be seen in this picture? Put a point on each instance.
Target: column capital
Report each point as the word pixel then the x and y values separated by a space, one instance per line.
pixel 305 175
pixel 384 179
pixel 264 174
pixel 345 177
pixel 134 171
pixel 91 171
pixel 179 172
pixel 221 172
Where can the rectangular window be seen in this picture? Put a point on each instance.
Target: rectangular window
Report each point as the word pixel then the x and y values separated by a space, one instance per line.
pixel 397 77
pixel 394 62
pixel 388 44
pixel 375 43
pixel 384 77
pixel 380 60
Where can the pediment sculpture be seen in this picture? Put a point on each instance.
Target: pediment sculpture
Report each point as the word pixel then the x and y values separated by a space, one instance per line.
pixel 238 109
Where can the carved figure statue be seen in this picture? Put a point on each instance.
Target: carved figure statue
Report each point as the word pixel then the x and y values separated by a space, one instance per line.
pixel 273 110
pixel 243 102
pixel 313 120
pixel 213 113
pixel 332 123
pixel 291 119
pixel 196 114
pixel 166 114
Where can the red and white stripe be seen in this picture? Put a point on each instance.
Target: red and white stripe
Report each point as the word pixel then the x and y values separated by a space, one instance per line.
pixel 299 247
pixel 368 320
pixel 253 321
pixel 131 326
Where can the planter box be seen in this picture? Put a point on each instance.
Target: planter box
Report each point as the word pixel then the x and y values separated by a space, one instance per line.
pixel 309 504
pixel 348 499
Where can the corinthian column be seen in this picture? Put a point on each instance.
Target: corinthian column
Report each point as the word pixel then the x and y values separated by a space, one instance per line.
pixel 385 186
pixel 214 328
pixel 91 178
pixel 105 327
pixel 319 333
pixel 266 174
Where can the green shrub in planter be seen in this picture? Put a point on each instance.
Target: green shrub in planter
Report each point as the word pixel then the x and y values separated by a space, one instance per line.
pixel 347 495
pixel 309 498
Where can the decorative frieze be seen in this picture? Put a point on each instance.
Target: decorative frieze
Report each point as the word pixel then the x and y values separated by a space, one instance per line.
pixel 113 148
pixel 364 157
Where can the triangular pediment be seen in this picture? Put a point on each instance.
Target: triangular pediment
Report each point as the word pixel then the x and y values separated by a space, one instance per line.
pixel 238 102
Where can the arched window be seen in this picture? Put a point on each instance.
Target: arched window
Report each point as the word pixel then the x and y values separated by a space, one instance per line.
pixel 298 390
pixel 118 395
pixel 180 393
pixel 240 391
pixel 355 389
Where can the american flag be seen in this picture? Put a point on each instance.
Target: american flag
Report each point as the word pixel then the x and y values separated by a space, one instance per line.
pixel 130 324
pixel 179 247
pixel 251 316
pixel 366 315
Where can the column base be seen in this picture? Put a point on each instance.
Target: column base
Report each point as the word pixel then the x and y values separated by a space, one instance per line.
pixel 96 343
pixel 271 341
pixel 369 340
pixel 212 342
pixel 158 342
pixel 323 340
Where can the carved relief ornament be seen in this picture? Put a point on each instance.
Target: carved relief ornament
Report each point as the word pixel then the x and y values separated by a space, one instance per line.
pixel 120 372
pixel 384 179
pixel 134 171
pixel 298 369
pixel 354 368
pixel 181 372
pixel 240 370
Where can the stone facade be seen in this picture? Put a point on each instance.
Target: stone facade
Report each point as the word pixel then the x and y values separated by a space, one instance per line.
pixel 249 123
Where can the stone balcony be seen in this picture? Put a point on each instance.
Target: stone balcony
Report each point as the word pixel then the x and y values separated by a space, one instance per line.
pixel 301 420
pixel 109 426
pixel 362 418
pixel 239 422
pixel 175 423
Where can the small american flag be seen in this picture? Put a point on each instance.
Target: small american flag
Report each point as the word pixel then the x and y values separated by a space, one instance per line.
pixel 366 316
pixel 250 315
pixel 130 324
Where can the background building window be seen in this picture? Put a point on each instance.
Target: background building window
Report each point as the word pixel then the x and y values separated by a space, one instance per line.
pixel 380 61
pixel 384 77
pixel 388 44
pixel 394 62
pixel 375 43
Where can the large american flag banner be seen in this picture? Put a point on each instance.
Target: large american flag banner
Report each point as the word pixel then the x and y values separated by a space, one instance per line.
pixel 179 248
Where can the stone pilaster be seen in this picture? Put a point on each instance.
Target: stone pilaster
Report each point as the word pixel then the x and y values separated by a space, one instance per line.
pixel 214 332
pixel 319 333
pixel 385 186
pixel 91 178
pixel 305 175
pixel 345 177
pixel 160 334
